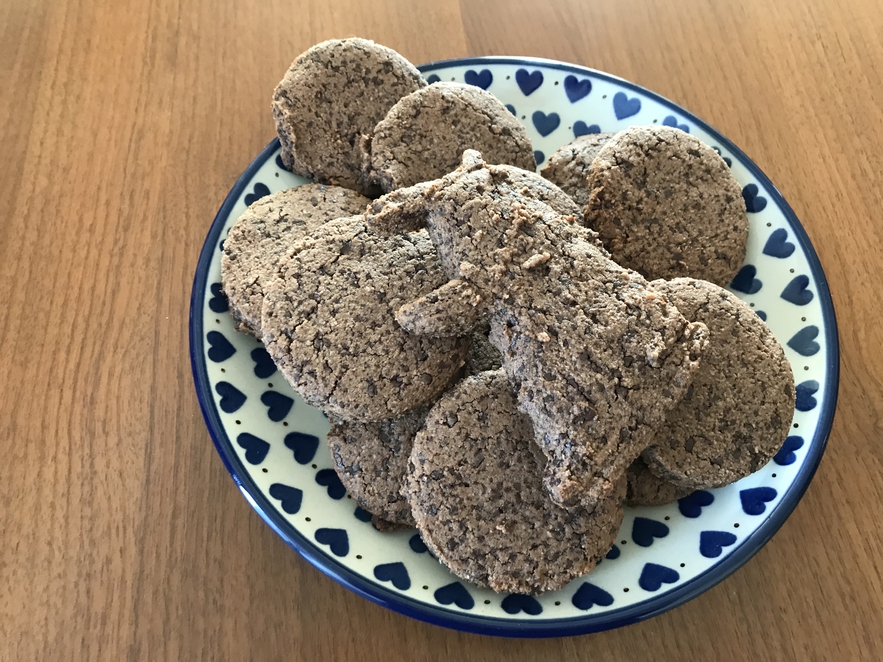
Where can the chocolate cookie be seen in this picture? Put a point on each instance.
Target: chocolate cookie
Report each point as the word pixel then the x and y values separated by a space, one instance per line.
pixel 666 205
pixel 569 165
pixel 645 488
pixel 328 322
pixel 597 355
pixel 476 490
pixel 333 94
pixel 736 414
pixel 265 232
pixel 424 135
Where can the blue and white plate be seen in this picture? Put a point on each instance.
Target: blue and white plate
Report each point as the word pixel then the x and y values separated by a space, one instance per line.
pixel 272 442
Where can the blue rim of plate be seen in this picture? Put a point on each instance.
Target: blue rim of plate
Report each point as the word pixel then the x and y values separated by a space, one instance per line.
pixel 493 625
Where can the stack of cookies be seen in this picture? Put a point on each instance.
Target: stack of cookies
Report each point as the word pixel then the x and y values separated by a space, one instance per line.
pixel 506 358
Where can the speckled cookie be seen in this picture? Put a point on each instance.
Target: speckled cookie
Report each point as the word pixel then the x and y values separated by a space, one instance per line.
pixel 328 322
pixel 424 135
pixel 332 95
pixel 476 490
pixel 568 167
pixel 737 413
pixel 597 355
pixel 666 205
pixel 645 488
pixel 265 232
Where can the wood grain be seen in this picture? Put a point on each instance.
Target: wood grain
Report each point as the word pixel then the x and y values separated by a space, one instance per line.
pixel 122 126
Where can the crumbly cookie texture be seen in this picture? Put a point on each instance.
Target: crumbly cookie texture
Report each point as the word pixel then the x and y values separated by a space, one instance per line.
pixel 645 488
pixel 598 356
pixel 424 135
pixel 265 232
pixel 737 412
pixel 568 167
pixel 332 95
pixel 476 490
pixel 328 322
pixel 666 205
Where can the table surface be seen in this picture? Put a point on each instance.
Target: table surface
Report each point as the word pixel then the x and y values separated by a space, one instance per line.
pixel 123 124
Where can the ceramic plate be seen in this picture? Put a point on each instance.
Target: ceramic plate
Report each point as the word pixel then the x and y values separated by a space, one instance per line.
pixel 272 442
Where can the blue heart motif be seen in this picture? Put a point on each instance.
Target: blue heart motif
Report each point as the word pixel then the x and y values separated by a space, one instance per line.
pixel 777 245
pixel 528 82
pixel 761 314
pixel 712 543
pixel 653 576
pixel 260 190
pixel 692 504
pixel 804 400
pixel 291 497
pixel 514 603
pixel 672 121
pixel 545 124
pixel 256 449
pixel 278 405
pixel 482 79
pixel 263 364
pixel 727 159
pixel 589 595
pixel 754 500
pixel 577 89
pixel 745 280
pixel 220 348
pixel 456 594
pixel 613 553
pixel 511 108
pixel 231 397
pixel 753 202
pixel 395 573
pixel 624 107
pixel 645 530
pixel 303 445
pixel 581 129
pixel 280 164
pixel 803 342
pixel 786 454
pixel 795 292
pixel 538 156
pixel 362 515
pixel 218 302
pixel 336 539
pixel 433 78
pixel 328 478
pixel 417 545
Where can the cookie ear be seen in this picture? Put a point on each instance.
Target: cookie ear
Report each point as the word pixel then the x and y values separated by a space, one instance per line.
pixel 454 309
pixel 400 211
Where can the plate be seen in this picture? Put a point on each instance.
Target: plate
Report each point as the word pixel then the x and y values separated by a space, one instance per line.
pixel 272 442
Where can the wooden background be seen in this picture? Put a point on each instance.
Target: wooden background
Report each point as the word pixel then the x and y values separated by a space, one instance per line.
pixel 123 124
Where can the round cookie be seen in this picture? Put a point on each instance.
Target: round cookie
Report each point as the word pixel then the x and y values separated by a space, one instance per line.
pixel 328 322
pixel 738 410
pixel 568 167
pixel 333 94
pixel 476 490
pixel 371 460
pixel 265 232
pixel 424 135
pixel 666 205
pixel 645 488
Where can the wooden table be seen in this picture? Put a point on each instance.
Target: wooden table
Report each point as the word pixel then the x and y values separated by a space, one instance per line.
pixel 122 126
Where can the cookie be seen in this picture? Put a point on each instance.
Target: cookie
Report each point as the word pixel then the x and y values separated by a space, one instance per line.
pixel 666 205
pixel 476 491
pixel 328 322
pixel 736 414
pixel 645 488
pixel 265 232
pixel 371 459
pixel 424 135
pixel 332 95
pixel 597 355
pixel 568 166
